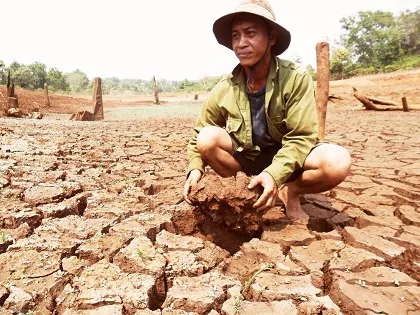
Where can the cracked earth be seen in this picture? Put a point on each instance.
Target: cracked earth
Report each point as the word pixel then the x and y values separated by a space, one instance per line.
pixel 92 221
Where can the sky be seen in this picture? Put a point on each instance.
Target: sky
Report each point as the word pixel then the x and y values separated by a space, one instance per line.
pixel 168 39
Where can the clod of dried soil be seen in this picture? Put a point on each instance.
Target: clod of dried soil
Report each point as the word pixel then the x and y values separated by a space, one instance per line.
pixel 229 201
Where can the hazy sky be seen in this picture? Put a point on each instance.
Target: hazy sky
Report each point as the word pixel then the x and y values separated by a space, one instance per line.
pixel 171 39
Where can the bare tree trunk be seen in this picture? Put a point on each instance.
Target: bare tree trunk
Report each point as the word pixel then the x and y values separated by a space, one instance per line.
pixel 155 88
pixel 12 99
pixel 46 96
pixel 98 112
pixel 322 85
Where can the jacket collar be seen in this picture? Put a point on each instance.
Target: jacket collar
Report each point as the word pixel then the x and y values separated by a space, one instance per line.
pixel 238 76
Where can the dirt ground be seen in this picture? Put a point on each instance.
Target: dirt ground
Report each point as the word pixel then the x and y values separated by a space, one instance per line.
pixel 92 219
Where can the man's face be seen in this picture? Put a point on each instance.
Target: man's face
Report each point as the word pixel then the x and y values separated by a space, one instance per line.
pixel 249 39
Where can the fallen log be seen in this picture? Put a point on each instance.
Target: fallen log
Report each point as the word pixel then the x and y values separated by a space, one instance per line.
pixel 378 101
pixel 369 104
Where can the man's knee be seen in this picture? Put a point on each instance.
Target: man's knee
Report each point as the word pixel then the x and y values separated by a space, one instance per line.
pixel 207 139
pixel 336 164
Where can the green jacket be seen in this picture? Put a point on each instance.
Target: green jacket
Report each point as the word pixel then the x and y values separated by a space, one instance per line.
pixel 290 111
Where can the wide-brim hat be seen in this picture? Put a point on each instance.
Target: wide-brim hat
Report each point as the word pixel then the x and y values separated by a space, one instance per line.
pixel 222 28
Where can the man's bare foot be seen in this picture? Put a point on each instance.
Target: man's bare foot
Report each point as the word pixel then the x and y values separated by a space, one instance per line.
pixel 292 203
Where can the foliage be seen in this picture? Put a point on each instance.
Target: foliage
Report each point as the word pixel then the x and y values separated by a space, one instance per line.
pixel 3 73
pixel 57 81
pixel 376 41
pixel 311 71
pixel 372 37
pixel 372 42
pixel 32 76
pixel 205 84
pixel 77 81
pixel 408 26
pixel 341 63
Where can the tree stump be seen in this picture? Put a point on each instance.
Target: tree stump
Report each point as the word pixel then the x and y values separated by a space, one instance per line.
pixel 405 104
pixel 12 99
pixel 155 88
pixel 98 112
pixel 46 96
pixel 12 102
pixel 322 85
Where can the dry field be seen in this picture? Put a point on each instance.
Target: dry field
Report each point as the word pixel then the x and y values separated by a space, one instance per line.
pixel 92 219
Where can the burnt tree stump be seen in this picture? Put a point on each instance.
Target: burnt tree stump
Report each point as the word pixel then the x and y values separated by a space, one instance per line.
pixel 405 104
pixel 12 99
pixel 98 112
pixel 156 92
pixel 46 96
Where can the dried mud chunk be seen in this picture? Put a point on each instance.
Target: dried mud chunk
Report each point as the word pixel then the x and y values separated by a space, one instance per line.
pixel 101 246
pixel 73 206
pixel 229 201
pixel 373 243
pixel 13 218
pixel 254 254
pixel 199 294
pixel 51 193
pixel 101 310
pixel 32 278
pixel 104 284
pixel 145 224
pixel 288 235
pixel 233 307
pixel 353 259
pixel 272 287
pixel 358 297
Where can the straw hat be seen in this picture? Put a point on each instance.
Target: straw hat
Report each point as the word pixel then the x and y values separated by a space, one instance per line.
pixel 222 28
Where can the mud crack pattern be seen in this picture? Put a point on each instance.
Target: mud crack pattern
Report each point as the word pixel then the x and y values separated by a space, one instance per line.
pixel 92 222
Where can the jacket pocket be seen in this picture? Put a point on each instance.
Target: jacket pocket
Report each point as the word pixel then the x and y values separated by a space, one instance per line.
pixel 233 124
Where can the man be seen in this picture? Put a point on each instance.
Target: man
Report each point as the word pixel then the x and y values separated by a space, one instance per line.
pixel 261 119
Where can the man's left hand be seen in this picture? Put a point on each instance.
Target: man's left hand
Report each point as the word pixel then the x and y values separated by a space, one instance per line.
pixel 268 198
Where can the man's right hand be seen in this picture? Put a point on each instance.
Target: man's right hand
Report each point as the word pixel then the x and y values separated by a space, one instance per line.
pixel 193 178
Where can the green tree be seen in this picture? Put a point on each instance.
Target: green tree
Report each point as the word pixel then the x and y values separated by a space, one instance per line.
pixel 340 63
pixel 311 71
pixel 38 73
pixel 22 76
pixel 371 37
pixel 77 81
pixel 3 72
pixel 408 25
pixel 110 84
pixel 56 80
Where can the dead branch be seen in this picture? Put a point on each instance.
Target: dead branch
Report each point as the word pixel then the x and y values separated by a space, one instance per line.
pixel 367 103
pixel 378 101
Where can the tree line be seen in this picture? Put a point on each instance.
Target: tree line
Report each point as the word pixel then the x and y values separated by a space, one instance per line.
pixel 35 75
pixel 377 41
pixel 372 41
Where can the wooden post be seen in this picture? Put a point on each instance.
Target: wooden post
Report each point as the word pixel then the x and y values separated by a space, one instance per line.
pixel 46 96
pixel 405 104
pixel 322 85
pixel 155 88
pixel 12 99
pixel 98 112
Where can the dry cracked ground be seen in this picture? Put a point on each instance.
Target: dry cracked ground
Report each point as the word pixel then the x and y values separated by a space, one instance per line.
pixel 92 222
